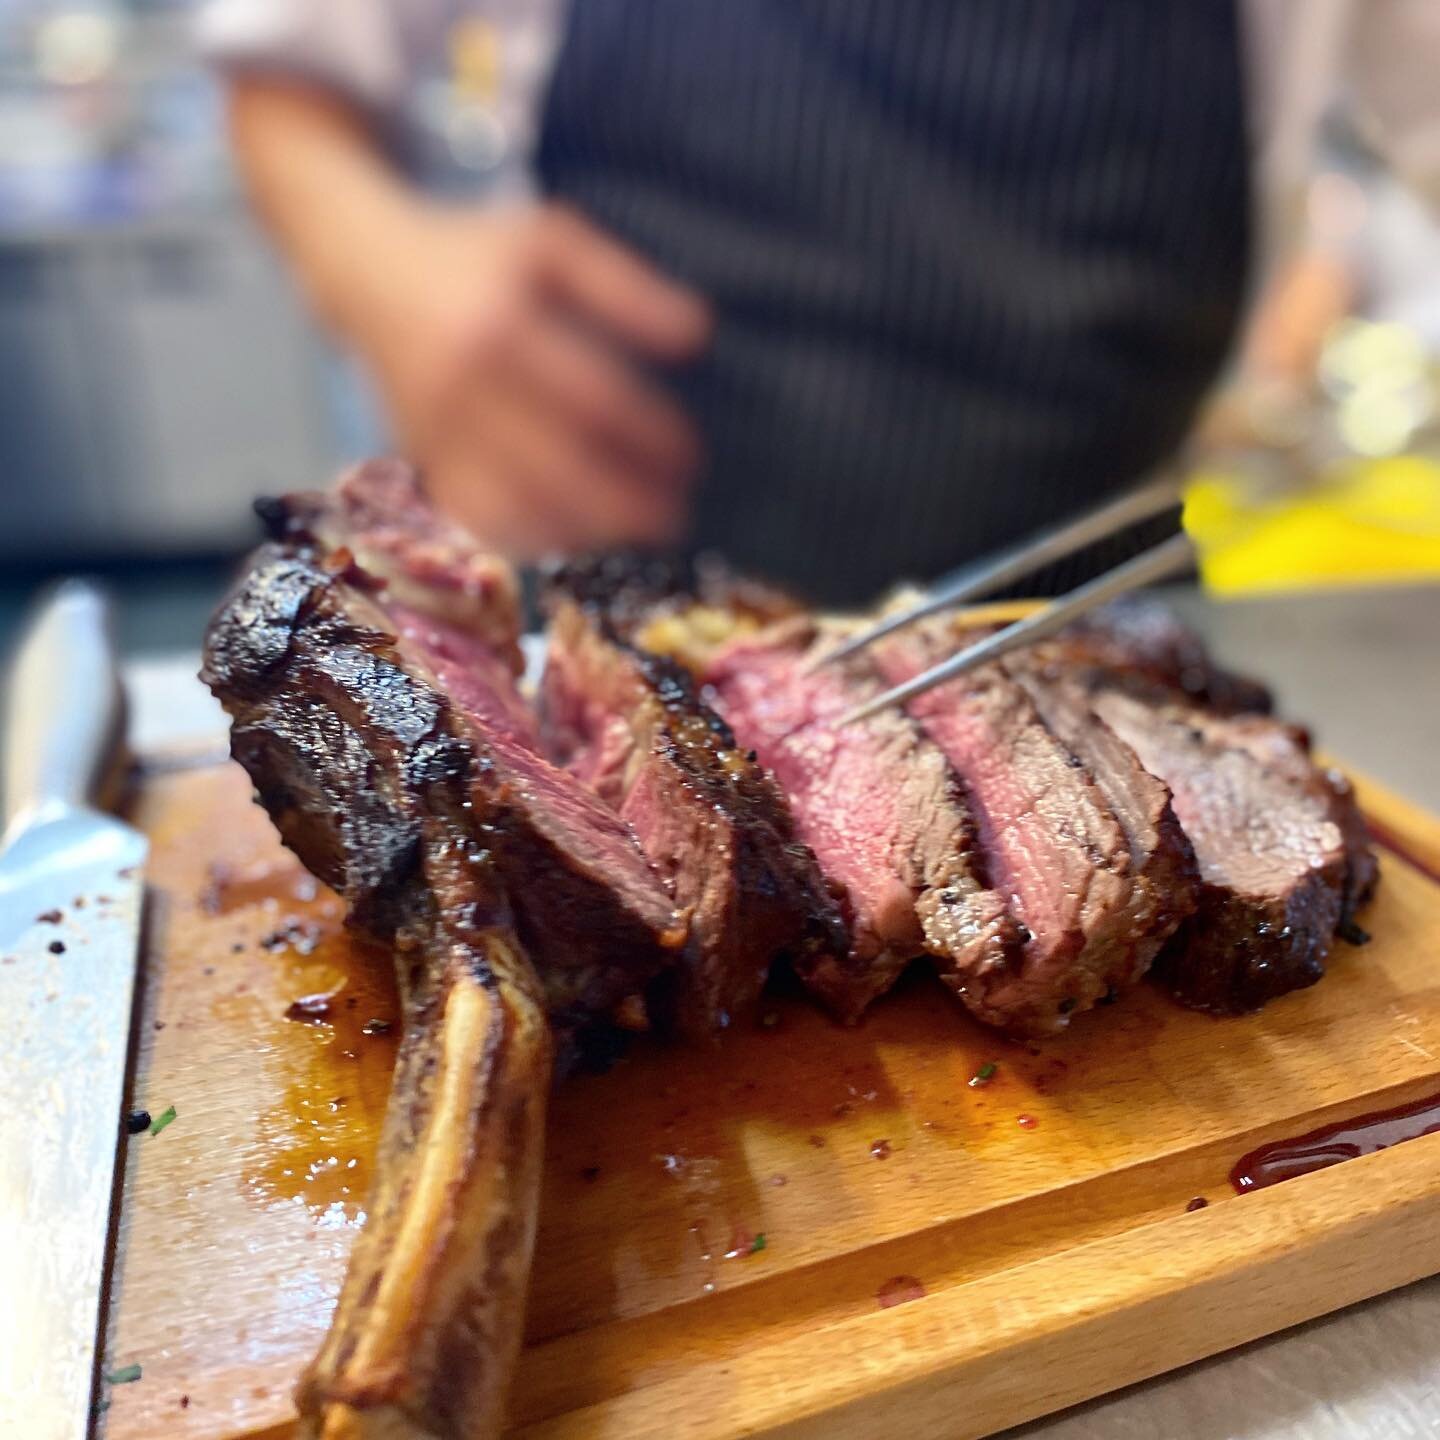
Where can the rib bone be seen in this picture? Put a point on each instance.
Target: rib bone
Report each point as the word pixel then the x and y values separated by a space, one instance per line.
pixel 425 1333
pixel 368 779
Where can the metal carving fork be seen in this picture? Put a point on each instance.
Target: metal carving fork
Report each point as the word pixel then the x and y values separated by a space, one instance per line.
pixel 1170 557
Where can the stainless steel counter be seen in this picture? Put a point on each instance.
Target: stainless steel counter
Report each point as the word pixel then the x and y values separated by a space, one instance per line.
pixel 1364 668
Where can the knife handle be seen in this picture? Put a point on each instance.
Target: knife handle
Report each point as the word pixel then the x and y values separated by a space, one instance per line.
pixel 63 708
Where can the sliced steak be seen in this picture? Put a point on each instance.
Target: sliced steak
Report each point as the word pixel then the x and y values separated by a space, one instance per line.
pixel 311 666
pixel 1164 876
pixel 878 804
pixel 1053 844
pixel 711 820
pixel 1271 856
pixel 1285 749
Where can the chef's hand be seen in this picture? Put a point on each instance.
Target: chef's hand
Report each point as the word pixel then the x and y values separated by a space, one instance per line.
pixel 510 347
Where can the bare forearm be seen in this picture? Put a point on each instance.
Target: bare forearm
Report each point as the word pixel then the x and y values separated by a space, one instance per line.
pixel 509 343
pixel 324 188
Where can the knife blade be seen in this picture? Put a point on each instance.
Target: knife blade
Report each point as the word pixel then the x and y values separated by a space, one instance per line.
pixel 71 894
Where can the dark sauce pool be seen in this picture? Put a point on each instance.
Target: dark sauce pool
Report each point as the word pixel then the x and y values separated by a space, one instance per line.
pixel 1329 1145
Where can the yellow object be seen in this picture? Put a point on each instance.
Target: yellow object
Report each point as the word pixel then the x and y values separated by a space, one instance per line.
pixel 1367 522
pixel 475 60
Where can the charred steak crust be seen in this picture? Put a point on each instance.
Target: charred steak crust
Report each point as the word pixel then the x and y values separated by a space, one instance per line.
pixel 1272 858
pixel 629 587
pixel 378 517
pixel 710 818
pixel 350 738
pixel 878 804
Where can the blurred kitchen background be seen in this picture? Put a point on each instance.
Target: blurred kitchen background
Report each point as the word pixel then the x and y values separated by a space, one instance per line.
pixel 156 372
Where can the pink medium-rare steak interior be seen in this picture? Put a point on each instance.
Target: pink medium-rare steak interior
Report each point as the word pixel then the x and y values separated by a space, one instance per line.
pixel 711 820
pixel 578 822
pixel 1052 843
pixel 876 802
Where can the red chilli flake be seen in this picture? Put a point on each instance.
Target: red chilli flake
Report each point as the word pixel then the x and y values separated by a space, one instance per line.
pixel 898 1289
pixel 1026 1122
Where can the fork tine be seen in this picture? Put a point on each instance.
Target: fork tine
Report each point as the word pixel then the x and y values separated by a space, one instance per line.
pixel 1158 563
pixel 1024 559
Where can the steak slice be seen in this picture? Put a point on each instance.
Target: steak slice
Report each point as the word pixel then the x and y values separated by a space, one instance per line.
pixel 1285 749
pixel 296 637
pixel 370 777
pixel 1271 856
pixel 1164 877
pixel 1053 844
pixel 878 804
pixel 710 819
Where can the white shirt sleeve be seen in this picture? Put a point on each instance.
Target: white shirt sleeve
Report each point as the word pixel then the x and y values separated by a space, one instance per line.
pixel 371 51
pixel 1393 73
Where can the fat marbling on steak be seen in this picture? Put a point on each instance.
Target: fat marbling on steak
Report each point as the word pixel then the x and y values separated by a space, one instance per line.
pixel 378 513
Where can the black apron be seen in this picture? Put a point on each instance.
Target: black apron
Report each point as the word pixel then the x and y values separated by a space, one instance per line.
pixel 974 262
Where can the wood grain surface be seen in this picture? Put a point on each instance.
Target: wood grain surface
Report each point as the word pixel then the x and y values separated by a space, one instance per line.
pixel 957 1258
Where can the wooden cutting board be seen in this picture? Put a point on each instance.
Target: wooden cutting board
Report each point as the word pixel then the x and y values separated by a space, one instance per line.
pixel 951 1258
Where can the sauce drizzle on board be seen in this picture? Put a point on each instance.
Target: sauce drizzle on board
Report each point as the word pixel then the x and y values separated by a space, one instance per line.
pixel 1330 1144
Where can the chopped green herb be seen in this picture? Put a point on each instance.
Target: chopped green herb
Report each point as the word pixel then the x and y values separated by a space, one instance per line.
pixel 124 1375
pixel 758 1243
pixel 101 1406
pixel 162 1120
pixel 983 1075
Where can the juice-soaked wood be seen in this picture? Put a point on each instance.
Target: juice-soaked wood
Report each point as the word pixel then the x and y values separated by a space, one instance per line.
pixel 806 1230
